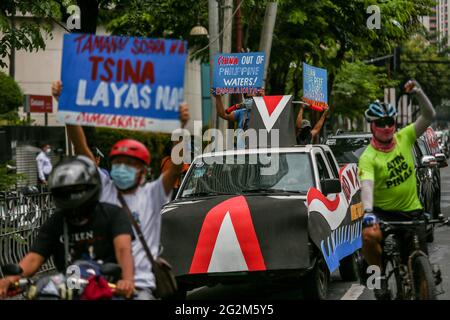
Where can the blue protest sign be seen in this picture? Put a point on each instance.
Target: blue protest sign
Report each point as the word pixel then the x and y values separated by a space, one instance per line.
pixel 122 82
pixel 238 72
pixel 315 88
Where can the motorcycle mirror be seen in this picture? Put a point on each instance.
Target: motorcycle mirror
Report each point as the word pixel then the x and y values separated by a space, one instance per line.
pixel 12 269
pixel 111 269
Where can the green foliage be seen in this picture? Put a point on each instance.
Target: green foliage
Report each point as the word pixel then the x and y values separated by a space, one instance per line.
pixel 28 34
pixel 8 179
pixel 327 33
pixel 10 98
pixel 159 19
pixel 433 77
pixel 356 85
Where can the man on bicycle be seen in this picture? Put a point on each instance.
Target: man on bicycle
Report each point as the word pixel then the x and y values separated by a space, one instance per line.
pixel 387 173
pixel 82 228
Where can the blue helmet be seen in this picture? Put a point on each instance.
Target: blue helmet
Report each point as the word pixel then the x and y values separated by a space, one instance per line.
pixel 379 110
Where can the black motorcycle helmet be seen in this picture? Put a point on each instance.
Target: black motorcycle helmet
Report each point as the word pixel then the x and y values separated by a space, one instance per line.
pixel 75 185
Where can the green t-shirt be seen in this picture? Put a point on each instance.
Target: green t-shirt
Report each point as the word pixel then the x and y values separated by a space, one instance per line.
pixel 393 173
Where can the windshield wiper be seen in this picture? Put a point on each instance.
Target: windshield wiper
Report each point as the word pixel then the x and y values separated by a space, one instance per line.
pixel 206 194
pixel 269 190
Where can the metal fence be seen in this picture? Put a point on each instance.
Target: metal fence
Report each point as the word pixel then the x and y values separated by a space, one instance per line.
pixel 22 213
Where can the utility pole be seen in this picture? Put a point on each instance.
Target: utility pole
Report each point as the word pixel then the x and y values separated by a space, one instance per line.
pixel 213 16
pixel 226 48
pixel 265 43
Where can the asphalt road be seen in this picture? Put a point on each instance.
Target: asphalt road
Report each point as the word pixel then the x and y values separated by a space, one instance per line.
pixel 338 289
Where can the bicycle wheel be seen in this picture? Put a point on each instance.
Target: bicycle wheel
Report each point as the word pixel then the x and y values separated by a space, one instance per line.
pixel 394 280
pixel 425 289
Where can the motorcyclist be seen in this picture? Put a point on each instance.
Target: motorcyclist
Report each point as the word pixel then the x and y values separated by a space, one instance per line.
pixel 387 173
pixel 90 230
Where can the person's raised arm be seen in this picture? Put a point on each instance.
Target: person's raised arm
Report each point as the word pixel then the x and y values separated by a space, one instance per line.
pixel 75 132
pixel 171 176
pixel 221 110
pixel 315 131
pixel 427 112
pixel 298 124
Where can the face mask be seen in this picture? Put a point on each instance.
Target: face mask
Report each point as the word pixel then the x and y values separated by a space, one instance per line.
pixel 124 176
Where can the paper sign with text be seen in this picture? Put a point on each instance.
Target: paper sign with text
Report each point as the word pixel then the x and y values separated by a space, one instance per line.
pixel 122 82
pixel 238 72
pixel 315 87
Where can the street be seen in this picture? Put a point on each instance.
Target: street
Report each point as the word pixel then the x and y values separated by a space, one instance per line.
pixel 339 290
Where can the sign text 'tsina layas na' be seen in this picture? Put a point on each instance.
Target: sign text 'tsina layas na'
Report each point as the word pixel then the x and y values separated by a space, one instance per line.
pixel 122 82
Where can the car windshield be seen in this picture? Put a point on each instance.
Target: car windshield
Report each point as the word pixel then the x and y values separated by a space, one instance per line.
pixel 249 174
pixel 348 150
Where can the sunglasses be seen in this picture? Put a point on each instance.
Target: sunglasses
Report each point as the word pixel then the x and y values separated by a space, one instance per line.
pixel 387 121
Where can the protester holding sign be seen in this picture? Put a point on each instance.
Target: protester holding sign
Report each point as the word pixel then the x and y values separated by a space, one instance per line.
pixel 240 113
pixel 130 159
pixel 304 132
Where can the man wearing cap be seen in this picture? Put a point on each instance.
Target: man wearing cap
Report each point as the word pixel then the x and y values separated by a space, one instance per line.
pixel 304 133
pixel 130 160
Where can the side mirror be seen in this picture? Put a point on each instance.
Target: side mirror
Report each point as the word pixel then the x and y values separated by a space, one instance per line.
pixel 330 186
pixel 440 157
pixel 428 161
pixel 12 269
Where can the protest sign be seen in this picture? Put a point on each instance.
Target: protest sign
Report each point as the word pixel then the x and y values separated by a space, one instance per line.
pixel 315 89
pixel 238 72
pixel 122 82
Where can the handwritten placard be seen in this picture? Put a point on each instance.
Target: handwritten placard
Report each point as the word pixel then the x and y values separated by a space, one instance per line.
pixel 238 72
pixel 122 82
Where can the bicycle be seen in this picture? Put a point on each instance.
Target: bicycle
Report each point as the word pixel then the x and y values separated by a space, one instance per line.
pixel 408 277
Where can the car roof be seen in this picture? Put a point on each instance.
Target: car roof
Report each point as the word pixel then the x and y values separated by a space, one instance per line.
pixel 294 149
pixel 349 135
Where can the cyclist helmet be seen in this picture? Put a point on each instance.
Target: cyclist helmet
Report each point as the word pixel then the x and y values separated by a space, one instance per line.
pixel 379 110
pixel 130 148
pixel 75 184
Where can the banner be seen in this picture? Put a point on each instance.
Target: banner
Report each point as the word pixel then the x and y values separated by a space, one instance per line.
pixel 122 82
pixel 315 87
pixel 238 72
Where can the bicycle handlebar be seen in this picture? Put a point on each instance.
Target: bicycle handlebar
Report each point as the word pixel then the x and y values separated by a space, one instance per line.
pixel 25 283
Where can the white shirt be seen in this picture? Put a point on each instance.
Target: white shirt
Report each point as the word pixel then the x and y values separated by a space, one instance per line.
pixel 44 165
pixel 145 204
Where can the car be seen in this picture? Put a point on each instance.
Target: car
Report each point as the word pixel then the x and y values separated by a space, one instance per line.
pixel 255 215
pixel 348 147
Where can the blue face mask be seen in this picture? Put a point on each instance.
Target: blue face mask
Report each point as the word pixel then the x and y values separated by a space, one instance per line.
pixel 124 176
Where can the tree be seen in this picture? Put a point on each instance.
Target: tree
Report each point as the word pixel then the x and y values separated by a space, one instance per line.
pixel 10 98
pixel 356 85
pixel 326 33
pixel 419 61
pixel 29 34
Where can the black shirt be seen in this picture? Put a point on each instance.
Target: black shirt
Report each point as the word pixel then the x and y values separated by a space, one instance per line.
pixel 92 241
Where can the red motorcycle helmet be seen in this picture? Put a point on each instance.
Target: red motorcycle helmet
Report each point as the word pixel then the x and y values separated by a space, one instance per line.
pixel 130 148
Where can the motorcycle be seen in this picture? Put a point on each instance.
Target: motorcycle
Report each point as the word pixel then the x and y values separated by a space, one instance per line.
pixel 84 280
